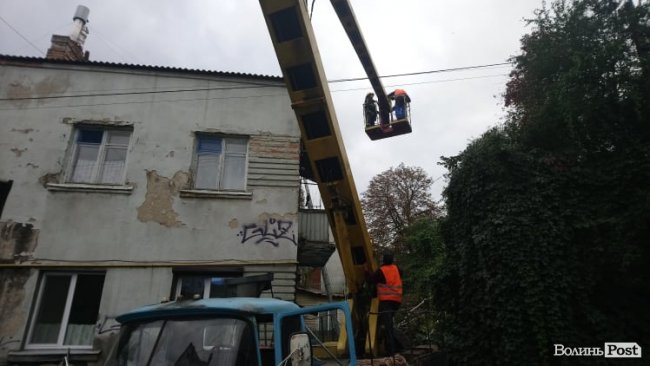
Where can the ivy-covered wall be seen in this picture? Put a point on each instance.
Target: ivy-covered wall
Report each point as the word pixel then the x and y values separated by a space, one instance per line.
pixel 547 233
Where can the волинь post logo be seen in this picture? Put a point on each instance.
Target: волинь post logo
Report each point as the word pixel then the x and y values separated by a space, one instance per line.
pixel 609 350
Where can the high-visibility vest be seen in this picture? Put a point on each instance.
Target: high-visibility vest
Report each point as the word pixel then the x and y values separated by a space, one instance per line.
pixel 392 289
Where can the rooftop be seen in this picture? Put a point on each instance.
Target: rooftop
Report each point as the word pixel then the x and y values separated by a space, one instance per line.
pixel 16 60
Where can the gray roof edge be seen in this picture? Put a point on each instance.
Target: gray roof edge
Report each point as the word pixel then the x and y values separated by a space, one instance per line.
pixel 9 59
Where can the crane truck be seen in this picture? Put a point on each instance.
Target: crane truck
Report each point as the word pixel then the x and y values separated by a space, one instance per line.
pixel 258 331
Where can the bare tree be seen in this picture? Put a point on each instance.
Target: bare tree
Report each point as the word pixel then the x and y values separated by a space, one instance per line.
pixel 394 200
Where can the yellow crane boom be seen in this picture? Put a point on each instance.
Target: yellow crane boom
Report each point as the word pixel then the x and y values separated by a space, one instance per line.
pixel 325 156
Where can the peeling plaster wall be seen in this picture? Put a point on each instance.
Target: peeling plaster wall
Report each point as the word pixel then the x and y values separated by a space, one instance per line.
pixel 157 205
pixel 17 241
pixel 152 223
pixel 16 287
pixel 35 134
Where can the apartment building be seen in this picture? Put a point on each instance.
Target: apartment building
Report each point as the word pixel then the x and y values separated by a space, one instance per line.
pixel 125 185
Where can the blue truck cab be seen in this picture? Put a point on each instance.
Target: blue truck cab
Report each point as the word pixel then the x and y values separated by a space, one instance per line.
pixel 222 331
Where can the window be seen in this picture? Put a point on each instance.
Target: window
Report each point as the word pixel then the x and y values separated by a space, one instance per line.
pixel 99 156
pixel 220 163
pixel 189 285
pixel 223 341
pixel 5 187
pixel 309 278
pixel 66 310
pixel 203 286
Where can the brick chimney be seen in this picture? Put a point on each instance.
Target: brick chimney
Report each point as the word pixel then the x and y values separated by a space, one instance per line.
pixel 71 47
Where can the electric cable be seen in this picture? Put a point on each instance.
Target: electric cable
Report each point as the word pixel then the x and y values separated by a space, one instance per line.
pixel 21 36
pixel 141 102
pixel 424 72
pixel 137 93
pixel 115 48
pixel 426 82
pixel 263 86
pixel 43 36
pixel 197 99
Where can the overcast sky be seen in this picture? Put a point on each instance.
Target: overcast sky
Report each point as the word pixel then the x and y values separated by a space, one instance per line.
pixel 448 109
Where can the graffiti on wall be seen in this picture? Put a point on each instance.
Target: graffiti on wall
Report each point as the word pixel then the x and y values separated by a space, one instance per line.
pixel 271 231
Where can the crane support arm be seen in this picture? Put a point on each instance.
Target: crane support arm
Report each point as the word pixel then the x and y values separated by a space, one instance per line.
pixel 346 15
pixel 304 76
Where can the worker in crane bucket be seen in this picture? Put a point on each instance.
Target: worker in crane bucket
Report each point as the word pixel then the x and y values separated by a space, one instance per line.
pixel 401 99
pixel 389 293
pixel 370 110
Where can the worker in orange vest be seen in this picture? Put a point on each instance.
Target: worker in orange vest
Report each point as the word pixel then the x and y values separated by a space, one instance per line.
pixel 389 293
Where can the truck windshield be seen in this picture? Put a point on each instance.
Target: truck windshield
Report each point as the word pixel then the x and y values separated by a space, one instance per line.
pixel 187 342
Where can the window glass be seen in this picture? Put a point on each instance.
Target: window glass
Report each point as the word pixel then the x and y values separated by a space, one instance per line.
pixel 209 144
pixel 236 145
pixel 85 163
pixel 90 136
pixel 136 343
pixel 99 157
pixel 203 341
pixel 84 310
pixel 217 341
pixel 113 167
pixel 192 285
pixel 219 288
pixel 207 170
pixel 68 307
pixel 220 163
pixel 208 286
pixel 5 187
pixel 234 173
pixel 119 137
pixel 235 164
pixel 52 306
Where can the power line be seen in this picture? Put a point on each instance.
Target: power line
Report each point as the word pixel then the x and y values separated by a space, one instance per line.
pixel 424 72
pixel 266 86
pixel 142 102
pixel 214 98
pixel 43 36
pixel 217 98
pixel 111 94
pixel 21 36
pixel 115 48
pixel 428 82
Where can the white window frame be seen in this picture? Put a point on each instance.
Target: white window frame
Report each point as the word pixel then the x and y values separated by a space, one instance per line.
pixel 101 154
pixel 64 319
pixel 222 161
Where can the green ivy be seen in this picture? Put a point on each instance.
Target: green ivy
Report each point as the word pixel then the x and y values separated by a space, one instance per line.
pixel 547 234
